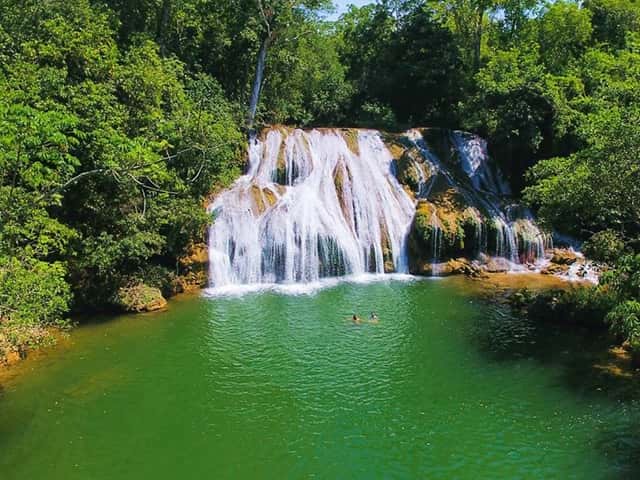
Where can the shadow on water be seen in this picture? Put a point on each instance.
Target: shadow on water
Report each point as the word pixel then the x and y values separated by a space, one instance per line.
pixel 588 368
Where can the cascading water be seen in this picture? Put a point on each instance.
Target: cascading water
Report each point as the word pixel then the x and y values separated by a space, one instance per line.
pixel 515 237
pixel 326 203
pixel 310 207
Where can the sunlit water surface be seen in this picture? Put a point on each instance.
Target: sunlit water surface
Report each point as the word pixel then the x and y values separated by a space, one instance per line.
pixel 274 385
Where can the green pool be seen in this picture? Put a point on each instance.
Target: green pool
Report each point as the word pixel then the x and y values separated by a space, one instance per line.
pixel 270 385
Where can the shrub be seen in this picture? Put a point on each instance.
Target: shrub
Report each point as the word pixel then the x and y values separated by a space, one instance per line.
pixel 32 292
pixel 581 305
pixel 624 322
pixel 605 246
pixel 624 280
pixel 33 296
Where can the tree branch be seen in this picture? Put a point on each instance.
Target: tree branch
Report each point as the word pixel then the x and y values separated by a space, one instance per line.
pixel 265 19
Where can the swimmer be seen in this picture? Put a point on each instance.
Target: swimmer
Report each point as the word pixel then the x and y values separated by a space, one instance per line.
pixel 356 319
pixel 373 318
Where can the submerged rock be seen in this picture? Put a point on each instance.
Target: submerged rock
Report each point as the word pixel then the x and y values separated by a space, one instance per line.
pixel 140 298
pixel 11 357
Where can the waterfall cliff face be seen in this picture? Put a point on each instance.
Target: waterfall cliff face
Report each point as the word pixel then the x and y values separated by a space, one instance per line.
pixel 326 203
pixel 464 205
pixel 310 206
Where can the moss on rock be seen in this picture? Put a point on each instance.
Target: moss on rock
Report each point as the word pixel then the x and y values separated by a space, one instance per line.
pixel 408 168
pixel 350 136
pixel 140 298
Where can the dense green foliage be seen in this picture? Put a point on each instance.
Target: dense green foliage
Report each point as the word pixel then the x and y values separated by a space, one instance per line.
pixel 118 118
pixel 107 152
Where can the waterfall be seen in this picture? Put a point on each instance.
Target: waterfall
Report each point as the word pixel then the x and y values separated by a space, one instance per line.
pixel 329 202
pixel 471 174
pixel 311 205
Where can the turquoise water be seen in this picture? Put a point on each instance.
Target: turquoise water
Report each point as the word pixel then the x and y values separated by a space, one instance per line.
pixel 279 386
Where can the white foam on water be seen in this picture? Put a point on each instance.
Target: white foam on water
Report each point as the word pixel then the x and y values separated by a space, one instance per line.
pixel 309 288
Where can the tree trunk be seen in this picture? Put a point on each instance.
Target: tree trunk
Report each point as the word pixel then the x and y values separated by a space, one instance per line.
pixel 478 40
pixel 163 25
pixel 257 81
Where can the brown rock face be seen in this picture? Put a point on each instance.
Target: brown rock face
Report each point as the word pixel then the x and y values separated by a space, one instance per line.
pixel 193 270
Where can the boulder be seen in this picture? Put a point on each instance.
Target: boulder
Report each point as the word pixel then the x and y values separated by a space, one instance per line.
pixel 140 298
pixel 496 265
pixel 563 256
pixel 459 266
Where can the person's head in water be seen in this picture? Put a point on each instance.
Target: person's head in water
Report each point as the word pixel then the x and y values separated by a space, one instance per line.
pixel 374 315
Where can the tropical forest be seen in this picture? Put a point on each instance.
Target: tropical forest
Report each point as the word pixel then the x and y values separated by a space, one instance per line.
pixel 319 239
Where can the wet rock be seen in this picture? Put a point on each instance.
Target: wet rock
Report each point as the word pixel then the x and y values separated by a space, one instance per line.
pixel 555 269
pixel 193 270
pixel 410 168
pixel 564 257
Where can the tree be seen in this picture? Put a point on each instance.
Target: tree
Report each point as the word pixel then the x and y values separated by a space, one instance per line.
pixel 613 20
pixel 564 32
pixel 597 188
pixel 277 17
pixel 468 20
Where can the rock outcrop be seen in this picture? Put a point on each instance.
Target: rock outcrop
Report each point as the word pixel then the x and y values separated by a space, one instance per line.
pixel 464 207
pixel 192 270
pixel 140 298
